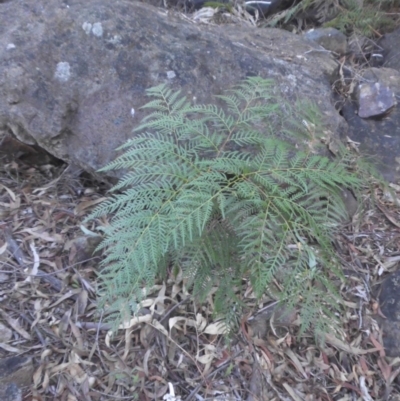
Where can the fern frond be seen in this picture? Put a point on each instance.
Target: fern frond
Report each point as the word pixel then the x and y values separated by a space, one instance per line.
pixel 221 195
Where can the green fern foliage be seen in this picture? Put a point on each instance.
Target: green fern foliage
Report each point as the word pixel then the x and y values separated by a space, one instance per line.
pixel 219 193
pixel 367 20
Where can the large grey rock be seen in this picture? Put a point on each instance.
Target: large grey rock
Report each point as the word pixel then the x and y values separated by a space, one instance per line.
pixel 379 138
pixel 389 299
pixel 390 44
pixel 73 73
pixel 375 100
pixel 329 38
pixel 15 378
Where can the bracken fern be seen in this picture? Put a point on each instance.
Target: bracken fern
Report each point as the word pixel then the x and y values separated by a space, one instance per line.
pixel 222 195
pixel 348 16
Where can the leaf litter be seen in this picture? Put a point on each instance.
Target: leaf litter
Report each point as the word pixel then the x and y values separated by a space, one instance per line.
pixel 174 349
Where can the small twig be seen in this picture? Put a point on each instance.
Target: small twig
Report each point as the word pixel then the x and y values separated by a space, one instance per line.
pixel 19 256
pixel 97 326
pixel 30 321
pixel 263 309
pixel 209 375
pixel 97 339
pixel 181 348
pixel 174 307
pixel 54 282
pixel 193 393
pixel 13 247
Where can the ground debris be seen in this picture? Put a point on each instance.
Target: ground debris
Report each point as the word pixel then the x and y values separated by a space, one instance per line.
pixel 174 349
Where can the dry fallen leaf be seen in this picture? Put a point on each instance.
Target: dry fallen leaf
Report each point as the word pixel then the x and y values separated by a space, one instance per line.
pixel 5 333
pixel 216 328
pixel 347 347
pixel 14 323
